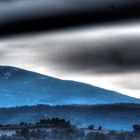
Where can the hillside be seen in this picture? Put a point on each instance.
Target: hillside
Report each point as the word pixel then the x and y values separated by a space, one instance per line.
pixel 20 87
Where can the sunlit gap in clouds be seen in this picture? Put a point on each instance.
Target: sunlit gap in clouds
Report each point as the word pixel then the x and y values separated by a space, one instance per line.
pixel 81 54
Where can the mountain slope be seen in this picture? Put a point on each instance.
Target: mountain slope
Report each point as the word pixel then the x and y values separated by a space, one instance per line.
pixel 20 87
pixel 113 116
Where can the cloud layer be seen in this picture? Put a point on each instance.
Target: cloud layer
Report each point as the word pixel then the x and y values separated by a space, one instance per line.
pixel 18 16
pixel 111 56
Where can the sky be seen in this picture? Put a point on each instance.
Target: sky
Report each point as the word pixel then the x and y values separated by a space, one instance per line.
pixel 35 15
pixel 107 56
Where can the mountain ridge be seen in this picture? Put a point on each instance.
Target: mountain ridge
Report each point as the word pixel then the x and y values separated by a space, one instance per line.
pixel 23 87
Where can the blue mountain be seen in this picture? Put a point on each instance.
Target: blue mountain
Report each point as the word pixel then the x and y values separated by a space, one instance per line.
pixel 20 87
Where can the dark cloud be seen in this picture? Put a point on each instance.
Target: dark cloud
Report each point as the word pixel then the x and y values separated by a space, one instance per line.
pixel 38 15
pixel 103 57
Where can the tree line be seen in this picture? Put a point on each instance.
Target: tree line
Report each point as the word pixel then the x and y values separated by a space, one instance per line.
pixel 60 129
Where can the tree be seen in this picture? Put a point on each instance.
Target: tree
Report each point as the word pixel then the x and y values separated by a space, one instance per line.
pixel 100 128
pixel 24 132
pixel 23 124
pixel 91 127
pixel 136 128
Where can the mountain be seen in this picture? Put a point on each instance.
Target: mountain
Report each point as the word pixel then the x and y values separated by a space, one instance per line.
pixel 111 116
pixel 19 87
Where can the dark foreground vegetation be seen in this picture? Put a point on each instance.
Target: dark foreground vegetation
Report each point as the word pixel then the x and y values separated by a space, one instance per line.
pixel 111 116
pixel 60 129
